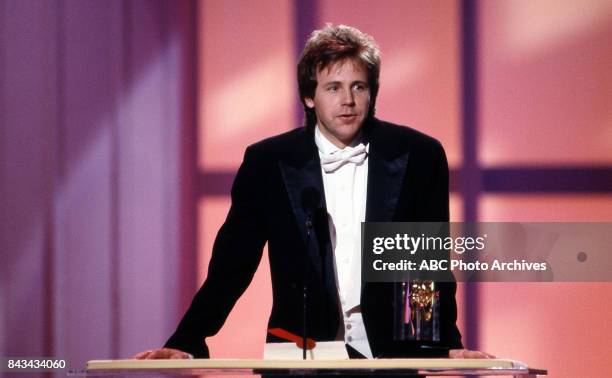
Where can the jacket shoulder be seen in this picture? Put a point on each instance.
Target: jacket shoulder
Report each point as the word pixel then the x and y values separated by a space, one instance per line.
pixel 281 146
pixel 398 137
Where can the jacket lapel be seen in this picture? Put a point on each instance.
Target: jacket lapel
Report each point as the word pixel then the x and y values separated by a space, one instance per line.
pixel 386 169
pixel 302 172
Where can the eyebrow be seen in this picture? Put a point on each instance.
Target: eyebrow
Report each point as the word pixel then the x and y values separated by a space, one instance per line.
pixel 337 82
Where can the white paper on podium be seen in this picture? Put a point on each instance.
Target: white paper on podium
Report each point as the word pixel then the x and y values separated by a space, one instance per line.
pixel 324 350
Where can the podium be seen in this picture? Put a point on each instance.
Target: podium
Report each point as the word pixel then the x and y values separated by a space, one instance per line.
pixel 375 367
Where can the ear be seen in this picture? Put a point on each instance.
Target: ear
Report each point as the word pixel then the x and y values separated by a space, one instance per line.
pixel 309 102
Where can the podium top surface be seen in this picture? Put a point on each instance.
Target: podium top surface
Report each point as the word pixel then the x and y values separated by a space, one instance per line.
pixel 399 366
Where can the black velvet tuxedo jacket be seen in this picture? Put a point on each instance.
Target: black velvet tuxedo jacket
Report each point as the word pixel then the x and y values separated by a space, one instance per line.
pixel 407 181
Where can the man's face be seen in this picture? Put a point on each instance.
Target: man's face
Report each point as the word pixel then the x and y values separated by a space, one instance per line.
pixel 341 101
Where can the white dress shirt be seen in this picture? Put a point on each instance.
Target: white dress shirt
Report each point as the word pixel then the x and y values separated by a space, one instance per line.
pixel 345 196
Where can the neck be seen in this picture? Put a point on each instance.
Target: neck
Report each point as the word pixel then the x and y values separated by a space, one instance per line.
pixel 339 143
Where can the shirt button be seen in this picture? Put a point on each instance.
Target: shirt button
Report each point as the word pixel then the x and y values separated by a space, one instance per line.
pixel 349 339
pixel 348 326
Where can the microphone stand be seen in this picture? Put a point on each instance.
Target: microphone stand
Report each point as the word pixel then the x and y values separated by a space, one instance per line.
pixel 305 286
pixel 310 199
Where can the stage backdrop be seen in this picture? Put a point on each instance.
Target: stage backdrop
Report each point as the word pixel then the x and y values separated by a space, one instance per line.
pixel 517 91
pixel 122 124
pixel 96 102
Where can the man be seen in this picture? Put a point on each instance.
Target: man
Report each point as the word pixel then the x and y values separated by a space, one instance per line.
pixel 306 193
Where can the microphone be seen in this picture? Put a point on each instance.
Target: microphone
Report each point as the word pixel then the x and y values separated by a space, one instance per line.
pixel 310 199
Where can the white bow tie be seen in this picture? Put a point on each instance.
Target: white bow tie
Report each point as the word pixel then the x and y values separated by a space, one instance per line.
pixel 356 155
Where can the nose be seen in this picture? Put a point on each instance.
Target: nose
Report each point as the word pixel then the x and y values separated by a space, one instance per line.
pixel 348 97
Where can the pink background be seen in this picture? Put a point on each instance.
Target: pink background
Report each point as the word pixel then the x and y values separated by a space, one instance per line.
pixel 122 124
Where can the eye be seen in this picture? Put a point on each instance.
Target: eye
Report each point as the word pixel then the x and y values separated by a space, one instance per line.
pixel 332 88
pixel 360 87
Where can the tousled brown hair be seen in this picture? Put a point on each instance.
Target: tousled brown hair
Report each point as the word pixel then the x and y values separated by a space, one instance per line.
pixel 330 45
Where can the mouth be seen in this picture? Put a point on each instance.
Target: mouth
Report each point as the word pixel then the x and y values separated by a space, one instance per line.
pixel 347 119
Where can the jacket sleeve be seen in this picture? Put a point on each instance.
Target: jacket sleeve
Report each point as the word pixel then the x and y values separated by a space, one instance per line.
pixel 235 257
